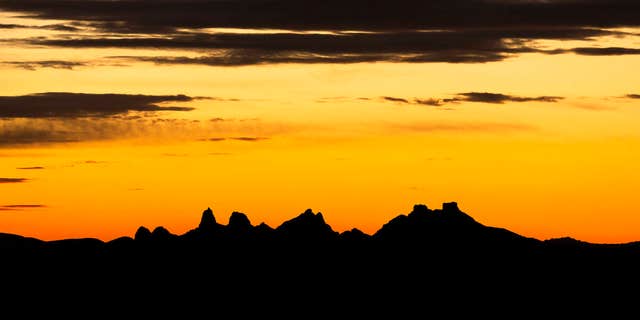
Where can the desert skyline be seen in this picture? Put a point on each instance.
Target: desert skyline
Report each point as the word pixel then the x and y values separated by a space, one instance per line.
pixel 523 112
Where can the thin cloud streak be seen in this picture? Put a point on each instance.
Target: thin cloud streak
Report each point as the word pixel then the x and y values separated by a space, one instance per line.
pixel 481 97
pixel 13 180
pixel 21 207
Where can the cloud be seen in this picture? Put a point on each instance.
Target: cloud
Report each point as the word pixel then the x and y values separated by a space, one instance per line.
pixel 147 16
pixel 216 139
pixel 30 168
pixel 255 57
pixel 608 51
pixel 16 207
pixel 55 64
pixel 410 31
pixel 73 105
pixel 482 97
pixel 54 27
pixel 26 132
pixel 13 180
pixel 249 139
pixel 394 99
pixel 499 98
pixel 633 96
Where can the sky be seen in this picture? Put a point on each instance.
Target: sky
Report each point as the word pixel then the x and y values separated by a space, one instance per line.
pixel 116 114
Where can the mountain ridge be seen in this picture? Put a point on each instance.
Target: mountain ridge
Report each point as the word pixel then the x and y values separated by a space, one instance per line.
pixel 420 222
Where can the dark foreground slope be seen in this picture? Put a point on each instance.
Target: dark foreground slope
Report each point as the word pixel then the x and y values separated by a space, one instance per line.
pixel 413 261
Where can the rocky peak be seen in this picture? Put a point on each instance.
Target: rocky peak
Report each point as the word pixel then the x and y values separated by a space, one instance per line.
pixel 208 221
pixel 142 234
pixel 239 222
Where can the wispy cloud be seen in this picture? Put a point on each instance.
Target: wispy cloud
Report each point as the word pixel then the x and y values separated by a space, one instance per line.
pixel 20 207
pixel 247 139
pixel 54 64
pixel 482 97
pixel 499 98
pixel 394 99
pixel 13 180
pixel 30 168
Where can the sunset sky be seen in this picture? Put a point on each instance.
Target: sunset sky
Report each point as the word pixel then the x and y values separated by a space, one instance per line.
pixel 116 114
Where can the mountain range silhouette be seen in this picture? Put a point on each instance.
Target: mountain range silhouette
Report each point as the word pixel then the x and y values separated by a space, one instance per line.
pixel 442 251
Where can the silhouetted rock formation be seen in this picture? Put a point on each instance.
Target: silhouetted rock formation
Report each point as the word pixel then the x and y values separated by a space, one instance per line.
pixel 208 221
pixel 306 227
pixel 142 234
pixel 446 229
pixel 239 223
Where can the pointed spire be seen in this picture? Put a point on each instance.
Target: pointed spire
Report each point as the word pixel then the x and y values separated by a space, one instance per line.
pixel 208 221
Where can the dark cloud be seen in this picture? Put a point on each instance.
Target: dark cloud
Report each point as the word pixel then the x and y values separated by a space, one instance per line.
pixel 168 15
pixel 24 206
pixel 71 105
pixel 54 27
pixel 249 139
pixel 233 49
pixel 394 99
pixel 596 51
pixel 252 57
pixel 13 180
pixel 17 207
pixel 217 119
pixel 633 96
pixel 483 97
pixel 10 26
pixel 453 31
pixel 55 64
pixel 30 168
pixel 609 51
pixel 338 42
pixel 499 98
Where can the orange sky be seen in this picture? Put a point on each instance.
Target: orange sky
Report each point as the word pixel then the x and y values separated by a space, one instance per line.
pixel 287 137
